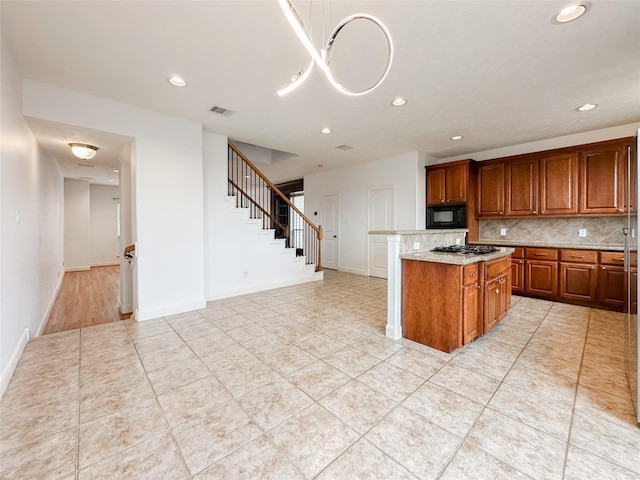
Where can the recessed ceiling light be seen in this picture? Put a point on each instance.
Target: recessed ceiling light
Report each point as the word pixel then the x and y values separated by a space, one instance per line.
pixel 177 81
pixel 457 137
pixel 586 107
pixel 326 131
pixel 115 170
pixel 571 12
pixel 398 102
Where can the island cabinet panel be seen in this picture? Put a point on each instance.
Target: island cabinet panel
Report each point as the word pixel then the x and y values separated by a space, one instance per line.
pixel 491 190
pixel 432 306
pixel 471 311
pixel 517 270
pixel 522 187
pixel 497 292
pixel 559 184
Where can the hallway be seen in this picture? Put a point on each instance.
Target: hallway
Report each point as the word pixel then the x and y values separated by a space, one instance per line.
pixel 85 299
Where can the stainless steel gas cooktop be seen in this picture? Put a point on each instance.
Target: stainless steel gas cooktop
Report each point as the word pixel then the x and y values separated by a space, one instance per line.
pixel 466 249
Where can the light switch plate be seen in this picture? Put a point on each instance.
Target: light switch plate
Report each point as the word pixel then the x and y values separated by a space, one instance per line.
pixel 416 246
pixel 582 232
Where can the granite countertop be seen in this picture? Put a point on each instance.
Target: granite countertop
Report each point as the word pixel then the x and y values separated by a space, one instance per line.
pixel 418 232
pixel 455 258
pixel 575 246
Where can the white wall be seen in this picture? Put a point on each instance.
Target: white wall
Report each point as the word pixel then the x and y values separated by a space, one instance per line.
pixel 77 225
pixel 593 136
pixel 167 191
pixel 104 225
pixel 31 246
pixel 404 173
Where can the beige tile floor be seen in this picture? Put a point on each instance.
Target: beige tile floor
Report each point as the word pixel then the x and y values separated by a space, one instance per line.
pixel 300 382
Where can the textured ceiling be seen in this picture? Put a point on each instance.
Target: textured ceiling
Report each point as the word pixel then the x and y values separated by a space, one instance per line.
pixel 499 73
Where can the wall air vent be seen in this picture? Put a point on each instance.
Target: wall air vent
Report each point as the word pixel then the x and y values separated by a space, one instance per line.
pixel 221 111
pixel 344 147
pixel 85 178
pixel 85 165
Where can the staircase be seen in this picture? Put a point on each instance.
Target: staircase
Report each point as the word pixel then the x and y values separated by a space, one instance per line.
pixel 278 236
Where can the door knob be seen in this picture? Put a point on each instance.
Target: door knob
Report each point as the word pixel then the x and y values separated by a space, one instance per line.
pixel 335 236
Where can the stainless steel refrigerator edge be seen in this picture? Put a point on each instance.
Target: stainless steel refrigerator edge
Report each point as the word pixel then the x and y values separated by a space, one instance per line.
pixel 631 308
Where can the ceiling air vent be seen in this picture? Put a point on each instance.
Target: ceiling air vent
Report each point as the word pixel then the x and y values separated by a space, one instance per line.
pixel 344 147
pixel 85 178
pixel 85 165
pixel 221 111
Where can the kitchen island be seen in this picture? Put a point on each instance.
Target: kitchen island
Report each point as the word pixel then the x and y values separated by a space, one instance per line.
pixel 449 299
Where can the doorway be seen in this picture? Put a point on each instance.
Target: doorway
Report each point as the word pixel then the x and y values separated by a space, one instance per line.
pixel 329 207
pixel 381 217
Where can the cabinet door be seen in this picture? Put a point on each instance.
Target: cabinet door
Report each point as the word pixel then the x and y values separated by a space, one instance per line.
pixel 602 180
pixel 471 305
pixel 491 190
pixel 456 183
pixel 541 278
pixel 559 184
pixel 521 184
pixel 435 186
pixel 612 286
pixel 503 296
pixel 517 275
pixel 578 281
pixel 491 304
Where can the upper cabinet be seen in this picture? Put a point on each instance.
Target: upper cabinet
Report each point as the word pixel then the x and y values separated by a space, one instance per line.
pixel 559 184
pixel 582 180
pixel 491 189
pixel 521 182
pixel 602 177
pixel 448 183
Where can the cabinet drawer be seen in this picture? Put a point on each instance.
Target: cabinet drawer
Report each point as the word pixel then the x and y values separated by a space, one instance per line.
pixel 616 258
pixel 541 254
pixel 470 274
pixel 495 268
pixel 518 252
pixel 579 256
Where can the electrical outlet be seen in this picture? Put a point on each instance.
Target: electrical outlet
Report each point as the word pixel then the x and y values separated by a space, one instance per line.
pixel 416 246
pixel 503 232
pixel 582 232
pixel 457 241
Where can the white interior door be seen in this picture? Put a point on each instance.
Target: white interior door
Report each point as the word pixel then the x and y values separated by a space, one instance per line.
pixel 381 217
pixel 330 222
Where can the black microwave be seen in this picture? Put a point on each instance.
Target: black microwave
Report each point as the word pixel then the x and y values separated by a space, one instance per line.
pixel 447 216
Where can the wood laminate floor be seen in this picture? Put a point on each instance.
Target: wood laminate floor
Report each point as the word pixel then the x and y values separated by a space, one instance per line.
pixel 86 298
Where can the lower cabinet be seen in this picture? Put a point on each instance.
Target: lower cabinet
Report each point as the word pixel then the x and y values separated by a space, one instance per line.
pixel 517 270
pixel 445 306
pixel 612 286
pixel 541 272
pixel 497 292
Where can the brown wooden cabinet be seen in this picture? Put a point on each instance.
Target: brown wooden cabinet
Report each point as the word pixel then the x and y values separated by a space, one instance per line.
pixel 448 183
pixel 559 184
pixel 517 270
pixel 471 314
pixel 497 292
pixel 612 288
pixel 579 275
pixel 602 178
pixel 541 272
pixel 521 185
pixel 436 186
pixel 491 189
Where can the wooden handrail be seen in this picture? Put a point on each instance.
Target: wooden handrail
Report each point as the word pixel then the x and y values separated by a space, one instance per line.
pixel 273 219
pixel 274 188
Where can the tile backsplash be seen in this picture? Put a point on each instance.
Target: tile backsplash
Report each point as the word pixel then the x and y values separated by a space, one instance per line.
pixel 605 231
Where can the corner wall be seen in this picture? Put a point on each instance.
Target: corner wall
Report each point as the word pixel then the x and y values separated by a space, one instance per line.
pixel 31 233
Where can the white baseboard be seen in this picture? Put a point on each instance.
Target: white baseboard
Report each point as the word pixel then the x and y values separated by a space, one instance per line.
pixel 357 271
pixel 52 301
pixel 7 373
pixel 105 264
pixel 78 269
pixel 244 290
pixel 149 314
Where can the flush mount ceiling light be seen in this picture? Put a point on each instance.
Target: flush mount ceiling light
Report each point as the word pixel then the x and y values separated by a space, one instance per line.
pixel 571 12
pixel 115 171
pixel 457 137
pixel 323 57
pixel 326 131
pixel 399 102
pixel 83 151
pixel 586 107
pixel 177 81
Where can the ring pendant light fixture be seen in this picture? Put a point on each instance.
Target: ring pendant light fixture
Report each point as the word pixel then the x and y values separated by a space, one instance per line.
pixel 323 58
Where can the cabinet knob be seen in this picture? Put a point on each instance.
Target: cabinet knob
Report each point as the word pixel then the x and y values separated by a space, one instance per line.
pixel 497 291
pixel 472 274
pixel 478 287
pixel 619 259
pixel 535 211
